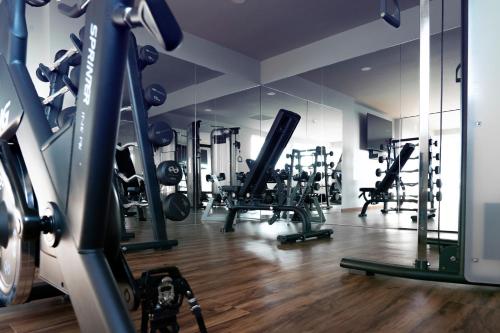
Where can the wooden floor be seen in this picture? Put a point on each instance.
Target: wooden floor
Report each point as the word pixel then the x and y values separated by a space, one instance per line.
pixel 246 282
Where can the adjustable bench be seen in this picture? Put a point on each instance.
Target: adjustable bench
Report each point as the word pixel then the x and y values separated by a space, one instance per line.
pixel 250 195
pixel 380 193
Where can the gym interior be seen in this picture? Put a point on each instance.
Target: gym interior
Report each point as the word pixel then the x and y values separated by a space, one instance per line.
pixel 249 166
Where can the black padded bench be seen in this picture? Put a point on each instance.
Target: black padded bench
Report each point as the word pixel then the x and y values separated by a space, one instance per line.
pixel 250 195
pixel 380 193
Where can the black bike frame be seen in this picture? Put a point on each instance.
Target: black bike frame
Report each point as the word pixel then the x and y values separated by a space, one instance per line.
pixel 73 168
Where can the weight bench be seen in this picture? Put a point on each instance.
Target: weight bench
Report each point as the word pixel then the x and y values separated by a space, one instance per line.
pixel 250 195
pixel 380 193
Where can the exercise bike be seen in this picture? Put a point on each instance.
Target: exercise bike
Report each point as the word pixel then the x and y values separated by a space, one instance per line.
pixel 59 212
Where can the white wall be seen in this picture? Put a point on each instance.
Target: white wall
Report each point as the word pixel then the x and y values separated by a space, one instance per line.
pixel 37 20
pixel 357 169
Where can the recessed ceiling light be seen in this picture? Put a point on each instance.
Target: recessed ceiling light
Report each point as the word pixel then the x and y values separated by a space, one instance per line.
pixel 239 2
pixel 366 69
pixel 208 110
pixel 271 93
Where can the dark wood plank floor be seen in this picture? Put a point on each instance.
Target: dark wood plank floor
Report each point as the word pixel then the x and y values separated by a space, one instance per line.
pixel 246 282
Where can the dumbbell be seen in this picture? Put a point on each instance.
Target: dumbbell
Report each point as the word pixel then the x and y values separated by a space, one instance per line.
pixel 432 142
pixel 69 57
pixel 438 183
pixel 283 174
pixel 382 158
pixel 329 165
pixel 169 173
pixel 148 56
pixel 316 186
pixel 438 196
pixel 220 177
pixel 176 207
pixel 70 84
pixel 437 156
pixel 160 134
pixel 436 170
pixel 301 177
pixel 268 197
pixel 379 172
pixel 318 177
pixel 154 95
pixel 322 151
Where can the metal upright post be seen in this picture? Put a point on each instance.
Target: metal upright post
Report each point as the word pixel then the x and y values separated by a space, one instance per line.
pixel 152 186
pixel 421 262
pixel 325 155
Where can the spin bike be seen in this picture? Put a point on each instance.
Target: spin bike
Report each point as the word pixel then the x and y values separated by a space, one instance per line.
pixel 59 212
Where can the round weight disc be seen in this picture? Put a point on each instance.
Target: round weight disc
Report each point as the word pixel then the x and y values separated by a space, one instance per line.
pixel 160 134
pixel 17 257
pixel 169 173
pixel 176 207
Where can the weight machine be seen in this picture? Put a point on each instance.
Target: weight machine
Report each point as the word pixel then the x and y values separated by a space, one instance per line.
pixel 225 152
pixel 158 133
pixel 303 187
pixel 193 177
pixel 398 153
pixel 474 258
pixel 253 193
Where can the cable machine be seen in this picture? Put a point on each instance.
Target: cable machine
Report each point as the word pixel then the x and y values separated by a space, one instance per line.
pixel 475 257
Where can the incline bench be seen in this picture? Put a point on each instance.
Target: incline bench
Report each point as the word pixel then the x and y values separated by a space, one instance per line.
pixel 380 193
pixel 250 195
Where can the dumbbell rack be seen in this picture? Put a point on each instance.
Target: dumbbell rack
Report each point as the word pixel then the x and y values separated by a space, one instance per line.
pixel 304 182
pixel 391 149
pixel 139 115
pixel 61 80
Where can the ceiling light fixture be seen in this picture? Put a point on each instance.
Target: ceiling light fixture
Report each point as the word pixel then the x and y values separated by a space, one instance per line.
pixel 208 110
pixel 271 93
pixel 239 2
pixel 366 69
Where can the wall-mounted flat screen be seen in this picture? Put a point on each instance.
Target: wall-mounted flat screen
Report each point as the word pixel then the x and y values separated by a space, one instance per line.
pixel 378 131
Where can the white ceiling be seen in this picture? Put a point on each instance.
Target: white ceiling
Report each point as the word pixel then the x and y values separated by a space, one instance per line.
pixel 256 109
pixel 392 85
pixel 264 28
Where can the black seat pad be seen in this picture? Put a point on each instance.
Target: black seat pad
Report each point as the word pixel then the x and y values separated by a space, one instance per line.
pixel 230 189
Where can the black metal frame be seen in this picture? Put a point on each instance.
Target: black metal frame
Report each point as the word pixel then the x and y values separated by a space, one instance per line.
pixel 73 168
pixel 380 193
pixel 140 118
pixel 249 195
pixel 457 249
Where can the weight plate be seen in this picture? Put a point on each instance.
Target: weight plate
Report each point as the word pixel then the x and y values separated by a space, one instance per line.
pixel 169 173
pixel 176 207
pixel 17 257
